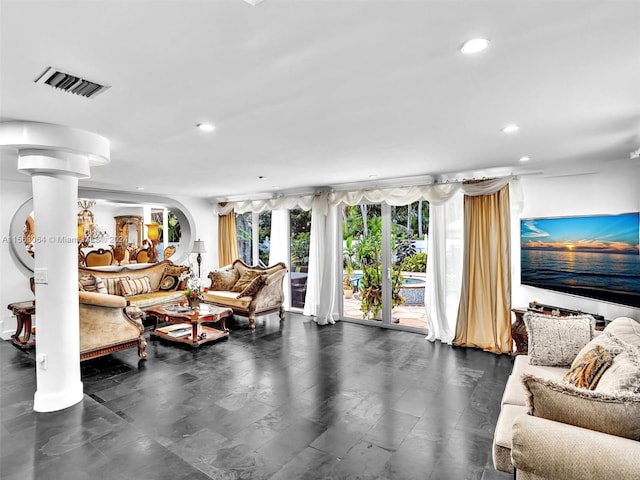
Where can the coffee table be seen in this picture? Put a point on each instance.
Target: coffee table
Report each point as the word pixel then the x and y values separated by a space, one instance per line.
pixel 187 324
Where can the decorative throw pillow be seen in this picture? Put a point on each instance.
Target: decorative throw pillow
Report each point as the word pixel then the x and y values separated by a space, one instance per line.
pixel 88 283
pixel 170 280
pixel 606 340
pixel 135 286
pixel 587 368
pixel 113 284
pixel 556 341
pixel 224 279
pixel 624 373
pixel 100 286
pixel 613 413
pixel 246 278
pixel 625 329
pixel 253 287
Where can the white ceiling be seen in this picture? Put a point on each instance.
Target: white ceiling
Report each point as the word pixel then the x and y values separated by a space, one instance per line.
pixel 321 93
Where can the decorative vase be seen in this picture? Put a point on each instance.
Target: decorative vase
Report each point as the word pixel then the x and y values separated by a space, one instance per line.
pixel 194 302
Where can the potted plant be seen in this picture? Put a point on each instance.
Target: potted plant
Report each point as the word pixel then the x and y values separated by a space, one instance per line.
pixel 193 292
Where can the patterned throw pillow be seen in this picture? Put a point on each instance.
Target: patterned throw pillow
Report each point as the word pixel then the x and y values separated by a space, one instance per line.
pixel 170 280
pixel 624 373
pixel 245 280
pixel 113 284
pixel 556 341
pixel 253 287
pixel 587 368
pixel 135 286
pixel 224 279
pixel 100 286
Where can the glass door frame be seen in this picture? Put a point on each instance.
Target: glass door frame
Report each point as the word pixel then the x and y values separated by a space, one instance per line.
pixel 387 321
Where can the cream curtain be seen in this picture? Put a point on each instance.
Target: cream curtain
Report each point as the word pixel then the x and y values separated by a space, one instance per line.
pixel 227 239
pixel 484 313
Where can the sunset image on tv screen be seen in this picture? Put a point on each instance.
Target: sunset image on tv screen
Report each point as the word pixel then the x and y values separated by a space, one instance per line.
pixel 591 256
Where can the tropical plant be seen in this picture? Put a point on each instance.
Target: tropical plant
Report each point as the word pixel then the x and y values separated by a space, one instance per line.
pixel 349 253
pixel 369 254
pixel 415 263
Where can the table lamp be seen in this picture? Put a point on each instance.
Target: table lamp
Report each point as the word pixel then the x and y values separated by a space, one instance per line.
pixel 198 247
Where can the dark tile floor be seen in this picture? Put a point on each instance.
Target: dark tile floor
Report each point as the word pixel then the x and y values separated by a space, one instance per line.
pixel 290 400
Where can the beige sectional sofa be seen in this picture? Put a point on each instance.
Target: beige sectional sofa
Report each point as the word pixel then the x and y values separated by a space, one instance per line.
pixel 248 291
pixel 549 428
pixel 110 318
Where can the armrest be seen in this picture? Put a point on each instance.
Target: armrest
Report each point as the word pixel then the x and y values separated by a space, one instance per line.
pixel 102 299
pixel 551 449
pixel 275 277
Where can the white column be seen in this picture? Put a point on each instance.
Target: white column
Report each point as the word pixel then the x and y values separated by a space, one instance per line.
pixel 55 203
pixel 55 157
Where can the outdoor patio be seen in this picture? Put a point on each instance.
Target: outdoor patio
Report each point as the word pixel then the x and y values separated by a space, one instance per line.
pixel 408 315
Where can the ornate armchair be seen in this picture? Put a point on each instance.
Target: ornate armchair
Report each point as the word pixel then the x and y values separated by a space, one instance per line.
pixel 99 258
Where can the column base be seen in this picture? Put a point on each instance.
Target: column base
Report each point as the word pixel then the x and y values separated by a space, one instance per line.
pixel 52 402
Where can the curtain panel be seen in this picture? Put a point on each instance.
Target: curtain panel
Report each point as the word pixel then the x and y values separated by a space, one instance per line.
pixel 279 248
pixel 484 313
pixel 227 239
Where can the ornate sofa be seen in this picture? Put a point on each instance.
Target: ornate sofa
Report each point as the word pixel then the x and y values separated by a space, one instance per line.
pixel 163 282
pixel 248 291
pixel 578 417
pixel 113 300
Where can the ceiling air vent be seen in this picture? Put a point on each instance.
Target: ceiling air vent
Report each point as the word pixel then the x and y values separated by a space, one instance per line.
pixel 70 83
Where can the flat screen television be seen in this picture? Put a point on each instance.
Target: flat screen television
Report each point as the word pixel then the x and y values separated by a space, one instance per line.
pixel 591 256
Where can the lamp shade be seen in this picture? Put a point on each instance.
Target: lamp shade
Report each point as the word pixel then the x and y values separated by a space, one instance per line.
pixel 198 247
pixel 152 231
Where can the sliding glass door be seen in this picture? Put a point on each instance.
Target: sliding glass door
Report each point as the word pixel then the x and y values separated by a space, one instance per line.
pixel 384 263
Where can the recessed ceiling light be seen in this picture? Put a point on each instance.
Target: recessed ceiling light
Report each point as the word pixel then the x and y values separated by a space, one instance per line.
pixel 372 176
pixel 510 128
pixel 474 45
pixel 261 177
pixel 275 187
pixel 206 127
pixel 525 159
pixel 139 188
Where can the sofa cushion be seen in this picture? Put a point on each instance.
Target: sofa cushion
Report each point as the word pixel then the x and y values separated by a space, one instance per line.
pixel 228 299
pixel 624 373
pixel 514 392
pixel 613 413
pixel 245 280
pixel 587 368
pixel 556 341
pixel 146 300
pixel 170 280
pixel 224 279
pixel 502 437
pixel 135 286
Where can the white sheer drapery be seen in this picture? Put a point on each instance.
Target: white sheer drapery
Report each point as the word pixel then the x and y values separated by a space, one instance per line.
pixel 317 254
pixel 444 268
pixel 279 247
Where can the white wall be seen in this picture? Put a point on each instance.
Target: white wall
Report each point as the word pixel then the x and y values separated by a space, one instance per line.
pixel 614 190
pixel 14 277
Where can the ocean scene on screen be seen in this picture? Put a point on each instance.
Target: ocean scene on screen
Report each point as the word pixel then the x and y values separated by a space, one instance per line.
pixel 595 256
